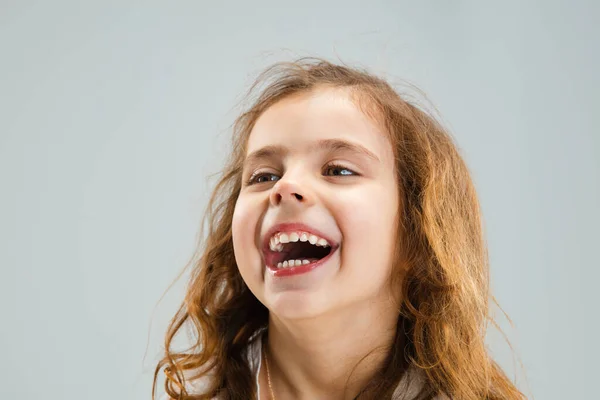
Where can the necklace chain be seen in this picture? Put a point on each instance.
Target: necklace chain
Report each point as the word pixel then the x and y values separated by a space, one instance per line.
pixel 264 351
pixel 268 373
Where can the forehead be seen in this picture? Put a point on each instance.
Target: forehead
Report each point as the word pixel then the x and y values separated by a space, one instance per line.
pixel 302 119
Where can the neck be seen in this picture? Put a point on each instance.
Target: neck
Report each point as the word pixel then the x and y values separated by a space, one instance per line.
pixel 331 356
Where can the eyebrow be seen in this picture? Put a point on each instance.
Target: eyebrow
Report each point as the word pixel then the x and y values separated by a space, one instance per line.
pixel 330 145
pixel 266 152
pixel 337 145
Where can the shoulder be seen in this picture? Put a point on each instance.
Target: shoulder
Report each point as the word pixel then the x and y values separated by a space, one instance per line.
pixel 411 384
pixel 254 350
pixel 253 356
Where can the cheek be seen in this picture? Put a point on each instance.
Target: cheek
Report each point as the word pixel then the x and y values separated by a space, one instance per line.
pixel 243 229
pixel 368 224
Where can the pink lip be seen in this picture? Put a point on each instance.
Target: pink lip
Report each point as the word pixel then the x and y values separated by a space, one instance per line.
pixel 301 269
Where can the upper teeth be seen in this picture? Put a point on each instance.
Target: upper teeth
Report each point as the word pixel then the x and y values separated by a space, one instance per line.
pixel 276 242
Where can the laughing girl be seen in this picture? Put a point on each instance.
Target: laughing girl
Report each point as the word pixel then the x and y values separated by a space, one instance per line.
pixel 344 257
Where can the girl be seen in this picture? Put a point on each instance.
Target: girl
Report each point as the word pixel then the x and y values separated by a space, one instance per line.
pixel 344 257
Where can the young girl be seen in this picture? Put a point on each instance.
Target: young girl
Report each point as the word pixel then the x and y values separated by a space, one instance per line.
pixel 344 257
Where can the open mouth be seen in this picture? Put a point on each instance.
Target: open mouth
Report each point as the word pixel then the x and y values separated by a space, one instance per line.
pixel 299 253
pixel 296 251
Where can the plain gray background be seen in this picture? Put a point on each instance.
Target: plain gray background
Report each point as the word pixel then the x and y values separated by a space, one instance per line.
pixel 113 114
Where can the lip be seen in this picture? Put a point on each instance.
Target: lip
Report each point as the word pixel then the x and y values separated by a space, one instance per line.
pixel 301 269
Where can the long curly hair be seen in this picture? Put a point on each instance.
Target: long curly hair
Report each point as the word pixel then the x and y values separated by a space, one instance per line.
pixel 444 302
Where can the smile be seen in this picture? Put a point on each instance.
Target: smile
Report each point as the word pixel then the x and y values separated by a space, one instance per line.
pixel 291 249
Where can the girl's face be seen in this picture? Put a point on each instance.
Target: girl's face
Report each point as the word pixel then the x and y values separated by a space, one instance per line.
pixel 319 189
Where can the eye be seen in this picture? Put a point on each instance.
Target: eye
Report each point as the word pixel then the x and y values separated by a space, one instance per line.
pixel 338 170
pixel 262 178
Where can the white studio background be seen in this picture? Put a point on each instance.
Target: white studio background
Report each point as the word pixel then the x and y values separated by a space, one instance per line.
pixel 114 113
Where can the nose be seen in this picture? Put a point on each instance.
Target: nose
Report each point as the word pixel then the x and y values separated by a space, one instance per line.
pixel 289 192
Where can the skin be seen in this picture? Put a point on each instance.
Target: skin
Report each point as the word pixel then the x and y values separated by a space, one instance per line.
pixel 321 323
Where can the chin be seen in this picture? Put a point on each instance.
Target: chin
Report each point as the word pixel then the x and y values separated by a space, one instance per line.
pixel 297 306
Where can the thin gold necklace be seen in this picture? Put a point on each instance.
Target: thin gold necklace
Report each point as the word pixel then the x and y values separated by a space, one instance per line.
pixel 264 351
pixel 268 373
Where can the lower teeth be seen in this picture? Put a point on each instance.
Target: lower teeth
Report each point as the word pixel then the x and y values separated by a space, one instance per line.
pixel 292 263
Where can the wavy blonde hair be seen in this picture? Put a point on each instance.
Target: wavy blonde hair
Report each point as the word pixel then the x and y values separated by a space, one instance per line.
pixel 445 291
